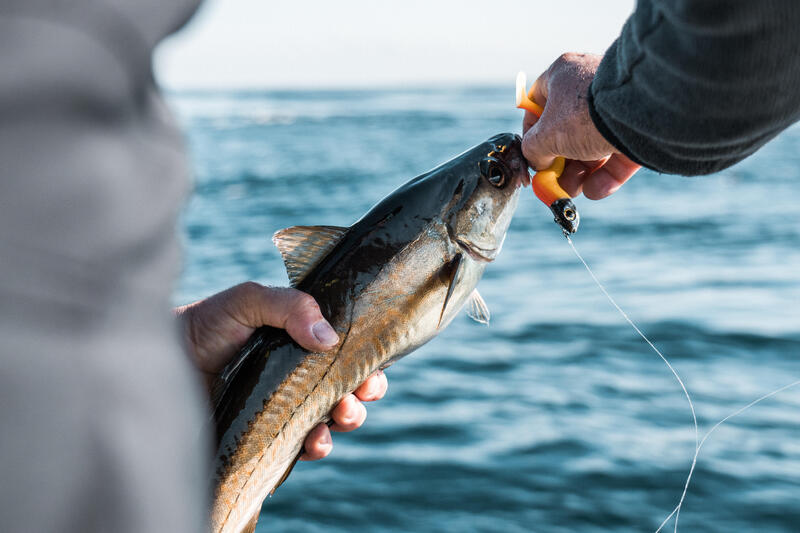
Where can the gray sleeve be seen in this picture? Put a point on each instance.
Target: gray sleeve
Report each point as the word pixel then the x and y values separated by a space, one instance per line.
pixel 100 412
pixel 692 87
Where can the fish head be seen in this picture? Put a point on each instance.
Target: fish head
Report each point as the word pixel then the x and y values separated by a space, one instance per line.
pixel 492 176
pixel 439 229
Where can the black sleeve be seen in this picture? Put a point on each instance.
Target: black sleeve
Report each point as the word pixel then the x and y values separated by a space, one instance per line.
pixel 692 87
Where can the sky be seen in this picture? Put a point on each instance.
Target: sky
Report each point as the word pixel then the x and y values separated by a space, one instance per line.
pixel 360 43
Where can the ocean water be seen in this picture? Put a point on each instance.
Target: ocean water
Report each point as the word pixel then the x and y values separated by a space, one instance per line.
pixel 556 417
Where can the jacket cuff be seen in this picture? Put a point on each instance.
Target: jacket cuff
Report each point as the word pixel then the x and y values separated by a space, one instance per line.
pixel 606 132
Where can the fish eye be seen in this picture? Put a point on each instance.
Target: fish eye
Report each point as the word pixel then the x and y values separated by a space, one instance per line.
pixel 569 214
pixel 493 171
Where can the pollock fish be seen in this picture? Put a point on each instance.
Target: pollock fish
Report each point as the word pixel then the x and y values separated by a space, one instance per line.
pixel 387 284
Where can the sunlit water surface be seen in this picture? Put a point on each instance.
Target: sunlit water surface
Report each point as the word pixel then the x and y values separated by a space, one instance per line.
pixel 556 417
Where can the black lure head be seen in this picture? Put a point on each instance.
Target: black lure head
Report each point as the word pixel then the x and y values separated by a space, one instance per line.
pixel 566 215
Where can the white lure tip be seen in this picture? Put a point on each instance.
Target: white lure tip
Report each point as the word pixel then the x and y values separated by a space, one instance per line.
pixel 522 82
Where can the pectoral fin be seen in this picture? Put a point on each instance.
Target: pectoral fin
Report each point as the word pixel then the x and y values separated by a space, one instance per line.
pixel 449 275
pixel 476 308
pixel 220 383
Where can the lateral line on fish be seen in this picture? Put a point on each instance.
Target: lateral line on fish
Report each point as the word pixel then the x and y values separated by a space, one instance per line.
pixel 269 447
pixel 698 443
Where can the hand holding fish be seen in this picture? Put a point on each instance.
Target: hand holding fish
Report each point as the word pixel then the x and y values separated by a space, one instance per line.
pixel 565 128
pixel 217 327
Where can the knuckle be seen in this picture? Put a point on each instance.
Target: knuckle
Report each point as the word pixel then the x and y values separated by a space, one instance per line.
pixel 564 61
pixel 249 287
pixel 528 153
pixel 533 146
pixel 304 301
pixel 529 142
pixel 249 293
pixel 570 57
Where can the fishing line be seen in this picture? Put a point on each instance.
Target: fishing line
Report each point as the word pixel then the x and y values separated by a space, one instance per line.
pixel 642 335
pixel 677 509
pixel 698 443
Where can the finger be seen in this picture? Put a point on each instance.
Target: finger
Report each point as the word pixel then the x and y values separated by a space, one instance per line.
pixel 534 145
pixel 349 414
pixel 318 444
pixel 540 88
pixel 610 177
pixel 373 388
pixel 575 174
pixel 528 120
pixel 537 93
pixel 571 179
pixel 599 163
pixel 289 309
pixel 538 143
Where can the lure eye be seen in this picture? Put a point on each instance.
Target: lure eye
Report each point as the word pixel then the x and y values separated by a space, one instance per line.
pixel 566 215
pixel 493 171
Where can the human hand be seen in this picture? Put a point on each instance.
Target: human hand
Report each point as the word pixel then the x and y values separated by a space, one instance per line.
pixel 565 129
pixel 217 327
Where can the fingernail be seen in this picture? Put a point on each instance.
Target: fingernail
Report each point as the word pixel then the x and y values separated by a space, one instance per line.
pixel 326 439
pixel 325 333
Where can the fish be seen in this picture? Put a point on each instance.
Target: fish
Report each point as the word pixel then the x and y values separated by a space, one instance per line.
pixel 387 284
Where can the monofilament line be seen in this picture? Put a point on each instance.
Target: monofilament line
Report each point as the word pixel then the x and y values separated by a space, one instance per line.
pixel 643 336
pixel 677 510
pixel 698 444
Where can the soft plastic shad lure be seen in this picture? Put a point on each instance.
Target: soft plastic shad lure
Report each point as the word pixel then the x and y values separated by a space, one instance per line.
pixel 545 182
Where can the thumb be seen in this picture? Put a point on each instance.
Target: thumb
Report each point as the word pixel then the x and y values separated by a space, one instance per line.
pixel 289 309
pixel 539 143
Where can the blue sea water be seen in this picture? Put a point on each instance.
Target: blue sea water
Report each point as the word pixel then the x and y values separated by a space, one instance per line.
pixel 557 417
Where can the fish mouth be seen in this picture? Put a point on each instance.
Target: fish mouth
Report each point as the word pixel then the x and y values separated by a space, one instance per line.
pixel 486 255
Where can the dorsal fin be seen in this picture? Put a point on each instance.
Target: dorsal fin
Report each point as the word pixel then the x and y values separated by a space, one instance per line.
pixel 476 308
pixel 303 247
